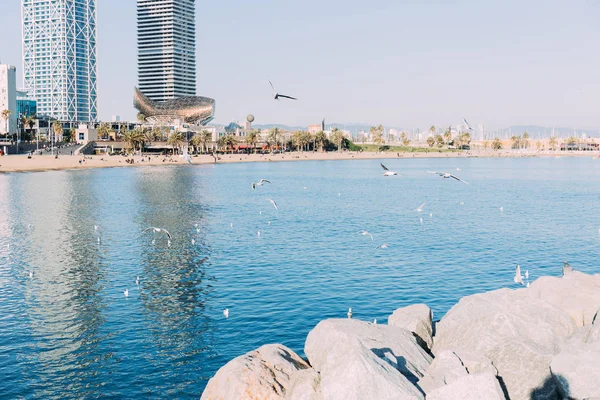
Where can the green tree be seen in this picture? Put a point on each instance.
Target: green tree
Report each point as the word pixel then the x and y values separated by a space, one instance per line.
pixel 273 138
pixel 336 137
pixel 205 139
pixel 404 139
pixel 320 140
pixel 132 138
pixel 516 142
pixel 5 117
pixel 439 139
pixel 175 140
pixel 552 143
pixel 103 130
pixel 377 134
pixel 141 118
pixel 58 130
pixel 497 144
pixel 538 145
pixel 430 141
pixel 447 136
pixel 486 144
pixel 432 130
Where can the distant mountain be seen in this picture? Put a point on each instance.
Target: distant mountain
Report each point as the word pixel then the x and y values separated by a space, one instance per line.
pixel 536 131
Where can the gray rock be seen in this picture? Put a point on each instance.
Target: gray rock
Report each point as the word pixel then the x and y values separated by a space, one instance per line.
pixel 470 387
pixel 576 293
pixel 360 360
pixel 475 363
pixel 577 368
pixel 305 385
pixel 520 334
pixel 416 319
pixel 264 373
pixel 445 368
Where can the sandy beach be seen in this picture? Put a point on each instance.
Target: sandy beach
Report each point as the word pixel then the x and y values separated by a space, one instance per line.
pixel 21 163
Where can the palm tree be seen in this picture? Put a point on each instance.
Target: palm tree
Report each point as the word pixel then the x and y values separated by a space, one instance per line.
pixel 195 142
pixel 430 141
pixel 273 137
pixel 298 140
pixel 252 139
pixel 516 142
pixel 133 138
pixel 205 139
pixel 337 137
pixel 175 140
pixel 538 145
pixel 320 140
pixel 58 130
pixel 432 130
pixel 439 139
pixel 141 118
pixel 377 134
pixel 497 144
pixel 72 135
pixel 552 143
pixel 404 139
pixel 103 130
pixel 447 136
pixel 5 117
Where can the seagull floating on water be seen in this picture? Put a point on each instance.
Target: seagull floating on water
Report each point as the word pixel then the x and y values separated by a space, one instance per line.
pixel 278 96
pixel 126 292
pixel 447 175
pixel 387 172
pixel 137 281
pixel 383 246
pixel 259 183
pixel 458 169
pixel 518 277
pixel 226 312
pixel 158 230
pixel 30 274
pixel 501 209
pixel 274 204
pixel 349 314
pixel 420 208
pixel 366 233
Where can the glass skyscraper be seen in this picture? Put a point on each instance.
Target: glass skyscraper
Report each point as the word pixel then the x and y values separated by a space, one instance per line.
pixel 59 57
pixel 166 48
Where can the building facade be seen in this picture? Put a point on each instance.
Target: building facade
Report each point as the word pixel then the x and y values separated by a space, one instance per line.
pixel 166 48
pixel 59 58
pixel 8 98
pixel 26 106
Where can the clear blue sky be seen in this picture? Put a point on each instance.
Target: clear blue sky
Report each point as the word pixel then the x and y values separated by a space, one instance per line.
pixel 402 63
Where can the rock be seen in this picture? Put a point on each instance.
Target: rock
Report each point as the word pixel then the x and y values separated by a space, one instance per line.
pixel 304 385
pixel 416 319
pixel 360 360
pixel 520 334
pixel 576 293
pixel 445 368
pixel 475 363
pixel 470 387
pixel 264 373
pixel 576 367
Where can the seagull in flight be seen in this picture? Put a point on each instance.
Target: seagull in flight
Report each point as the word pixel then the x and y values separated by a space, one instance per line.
pixel 158 230
pixel 277 96
pixel 274 204
pixel 259 183
pixel 466 123
pixel 420 208
pixel 366 233
pixel 447 175
pixel 387 172
pixel 518 277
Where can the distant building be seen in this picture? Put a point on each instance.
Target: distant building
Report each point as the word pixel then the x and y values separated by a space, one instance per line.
pixel 26 106
pixel 166 48
pixel 59 58
pixel 8 98
pixel 312 129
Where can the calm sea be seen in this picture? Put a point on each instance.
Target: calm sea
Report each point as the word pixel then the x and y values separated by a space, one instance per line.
pixel 69 331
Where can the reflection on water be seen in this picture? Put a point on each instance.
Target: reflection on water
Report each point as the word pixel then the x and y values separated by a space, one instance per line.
pixel 69 331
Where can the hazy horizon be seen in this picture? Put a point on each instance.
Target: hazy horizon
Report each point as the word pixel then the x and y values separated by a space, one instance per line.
pixel 404 64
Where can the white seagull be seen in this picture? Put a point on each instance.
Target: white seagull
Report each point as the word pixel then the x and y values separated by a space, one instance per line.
pixel 30 274
pixel 226 312
pixel 277 96
pixel 518 277
pixel 349 314
pixel 387 172
pixel 447 175
pixel 126 292
pixel 158 230
pixel 137 281
pixel 259 183
pixel 274 204
pixel 466 123
pixel 420 208
pixel 501 209
pixel 366 233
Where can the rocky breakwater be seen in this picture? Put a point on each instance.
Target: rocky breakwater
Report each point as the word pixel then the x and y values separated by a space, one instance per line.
pixel 541 342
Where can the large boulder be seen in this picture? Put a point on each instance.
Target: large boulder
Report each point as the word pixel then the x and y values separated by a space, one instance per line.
pixel 576 367
pixel 445 368
pixel 416 319
pixel 576 293
pixel 360 360
pixel 470 387
pixel 520 334
pixel 304 385
pixel 264 373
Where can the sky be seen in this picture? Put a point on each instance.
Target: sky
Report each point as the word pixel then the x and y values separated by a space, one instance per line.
pixel 403 63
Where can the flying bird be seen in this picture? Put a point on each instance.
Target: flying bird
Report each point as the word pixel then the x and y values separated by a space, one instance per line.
pixel 158 230
pixel 466 123
pixel 259 183
pixel 518 277
pixel 420 208
pixel 277 96
pixel 274 204
pixel 447 175
pixel 387 172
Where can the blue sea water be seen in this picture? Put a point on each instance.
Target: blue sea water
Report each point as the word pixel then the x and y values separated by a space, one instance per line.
pixel 70 332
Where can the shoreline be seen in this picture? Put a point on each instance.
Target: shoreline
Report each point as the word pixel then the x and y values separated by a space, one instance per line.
pixel 20 163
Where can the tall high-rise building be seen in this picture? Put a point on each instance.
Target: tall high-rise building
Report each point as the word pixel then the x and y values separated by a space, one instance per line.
pixel 8 99
pixel 59 57
pixel 166 48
